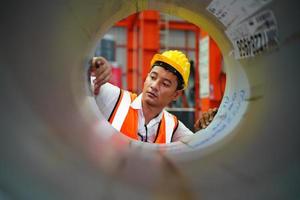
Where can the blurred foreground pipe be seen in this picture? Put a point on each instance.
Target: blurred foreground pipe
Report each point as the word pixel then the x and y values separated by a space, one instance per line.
pixel 55 144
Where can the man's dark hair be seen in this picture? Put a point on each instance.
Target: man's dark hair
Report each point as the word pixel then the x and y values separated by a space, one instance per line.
pixel 166 66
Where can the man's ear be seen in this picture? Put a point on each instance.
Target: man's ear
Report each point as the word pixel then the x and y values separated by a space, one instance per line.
pixel 177 94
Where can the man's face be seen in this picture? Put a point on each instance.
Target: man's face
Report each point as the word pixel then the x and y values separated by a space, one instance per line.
pixel 160 88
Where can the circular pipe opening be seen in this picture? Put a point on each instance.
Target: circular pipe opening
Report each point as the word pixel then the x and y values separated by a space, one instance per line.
pixel 233 105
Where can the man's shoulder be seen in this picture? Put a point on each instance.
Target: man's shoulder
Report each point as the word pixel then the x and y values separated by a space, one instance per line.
pixel 167 113
pixel 109 86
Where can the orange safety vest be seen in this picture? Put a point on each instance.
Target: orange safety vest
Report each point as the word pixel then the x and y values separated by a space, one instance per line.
pixel 128 123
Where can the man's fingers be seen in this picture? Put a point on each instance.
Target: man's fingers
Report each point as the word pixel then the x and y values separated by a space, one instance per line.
pixel 100 70
pixel 98 85
pixel 92 73
pixel 210 114
pixel 96 89
pixel 202 122
pixel 98 61
pixel 105 79
pixel 103 71
pixel 100 80
pixel 197 125
pixel 215 110
pixel 105 75
pixel 211 117
pixel 206 118
pixel 99 65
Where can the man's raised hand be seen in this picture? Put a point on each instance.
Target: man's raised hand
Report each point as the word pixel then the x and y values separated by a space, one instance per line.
pixel 101 69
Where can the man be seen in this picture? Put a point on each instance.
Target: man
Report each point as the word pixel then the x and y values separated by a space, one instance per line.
pixel 143 117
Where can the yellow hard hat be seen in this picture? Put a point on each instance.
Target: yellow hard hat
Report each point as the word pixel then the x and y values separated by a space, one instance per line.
pixel 177 60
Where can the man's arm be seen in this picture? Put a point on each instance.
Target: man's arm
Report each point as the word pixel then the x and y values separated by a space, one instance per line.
pixel 107 98
pixel 101 69
pixel 181 132
pixel 106 94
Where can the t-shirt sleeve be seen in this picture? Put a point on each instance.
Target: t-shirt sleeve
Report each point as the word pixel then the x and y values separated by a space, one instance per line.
pixel 181 132
pixel 107 98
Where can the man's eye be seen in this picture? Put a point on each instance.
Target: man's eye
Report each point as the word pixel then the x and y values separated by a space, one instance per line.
pixel 166 84
pixel 152 77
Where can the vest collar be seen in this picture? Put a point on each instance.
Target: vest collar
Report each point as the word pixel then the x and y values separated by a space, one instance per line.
pixel 137 105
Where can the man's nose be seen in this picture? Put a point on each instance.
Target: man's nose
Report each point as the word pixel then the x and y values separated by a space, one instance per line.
pixel 154 85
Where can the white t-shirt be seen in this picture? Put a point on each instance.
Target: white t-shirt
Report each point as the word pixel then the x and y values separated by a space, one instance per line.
pixel 107 99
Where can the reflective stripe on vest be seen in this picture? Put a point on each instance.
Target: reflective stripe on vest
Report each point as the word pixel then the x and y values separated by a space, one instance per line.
pixel 122 108
pixel 170 124
pixel 128 123
pixel 166 129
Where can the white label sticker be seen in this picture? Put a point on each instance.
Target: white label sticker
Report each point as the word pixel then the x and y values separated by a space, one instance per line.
pixel 231 12
pixel 254 35
pixel 255 44
pixel 259 22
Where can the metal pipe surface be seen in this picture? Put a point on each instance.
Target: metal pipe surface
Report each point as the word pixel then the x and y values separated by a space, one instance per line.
pixel 55 144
